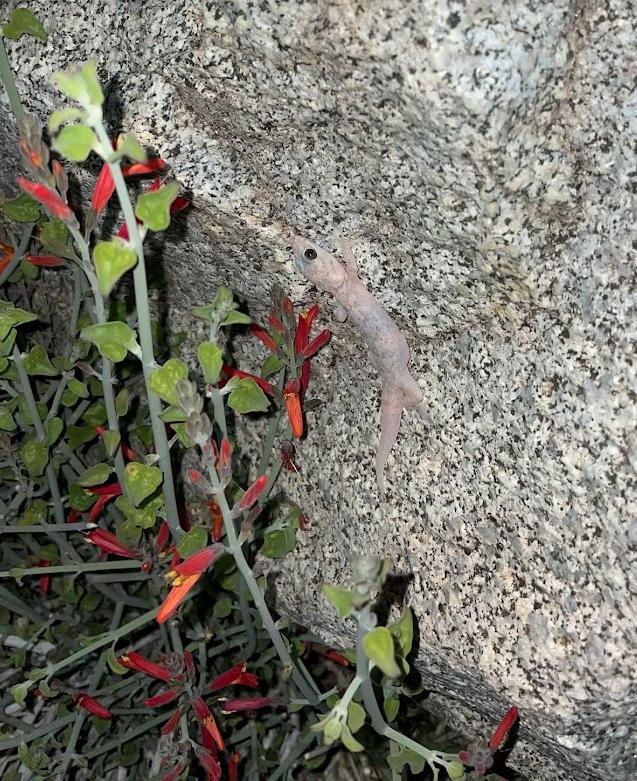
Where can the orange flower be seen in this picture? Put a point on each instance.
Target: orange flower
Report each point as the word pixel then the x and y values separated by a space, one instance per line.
pixel 6 255
pixel 292 396
pixel 207 721
pixel 176 595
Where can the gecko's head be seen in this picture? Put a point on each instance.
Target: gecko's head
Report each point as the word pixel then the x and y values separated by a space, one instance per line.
pixel 318 265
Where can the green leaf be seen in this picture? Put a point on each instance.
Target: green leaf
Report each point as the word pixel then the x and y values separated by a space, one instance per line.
pixel 54 236
pixel 163 381
pixel 222 608
pixel 121 402
pixel 406 757
pixel 80 435
pixel 182 434
pixel 78 388
pixel 153 208
pixel 80 499
pixel 141 517
pixel 129 533
pixel 7 421
pixel 349 741
pixel 271 365
pixel 54 427
pixel 355 716
pixel 210 360
pixel 192 541
pixel 113 340
pixel 94 475
pixel 455 770
pixel 279 543
pixel 49 552
pixel 391 705
pixel 339 598
pixel 6 344
pixel 60 116
pixel 95 414
pixel 81 84
pixel 332 730
pixel 130 147
pixel 37 362
pixel 111 440
pixel 248 397
pixel 141 481
pixel 112 260
pixel 23 22
pixel 75 142
pixel 24 208
pixel 403 631
pixel 379 648
pixel 11 316
pixel 111 660
pixel 236 318
pixel 35 456
pixel 20 690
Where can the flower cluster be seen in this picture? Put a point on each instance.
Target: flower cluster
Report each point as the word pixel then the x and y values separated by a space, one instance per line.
pixel 178 673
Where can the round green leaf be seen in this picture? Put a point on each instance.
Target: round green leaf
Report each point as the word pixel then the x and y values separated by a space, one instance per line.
pixel 153 208
pixel 210 360
pixel 11 316
pixel 355 716
pixel 222 608
pixel 391 706
pixel 271 365
pixel 236 318
pixel 129 533
pixel 112 260
pixel 22 21
pixel 163 380
pixel 141 481
pixel 37 362
pixel 75 142
pixel 79 498
pixel 23 208
pixel 81 84
pixel 113 340
pixel 94 475
pixel 130 147
pixel 111 440
pixel 339 598
pixel 78 388
pixel 192 541
pixel 54 427
pixel 248 397
pixel 379 648
pixel 332 730
pixel 35 456
pixel 349 741
pixel 279 542
pixel 455 770
pixel 403 631
pixel 121 402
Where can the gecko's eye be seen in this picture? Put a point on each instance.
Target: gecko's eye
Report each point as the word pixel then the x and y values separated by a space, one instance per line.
pixel 309 254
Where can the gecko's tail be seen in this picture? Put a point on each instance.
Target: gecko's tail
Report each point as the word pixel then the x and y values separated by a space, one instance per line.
pixel 391 408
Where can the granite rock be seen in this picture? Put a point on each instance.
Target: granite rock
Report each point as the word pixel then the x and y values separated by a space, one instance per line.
pixel 482 158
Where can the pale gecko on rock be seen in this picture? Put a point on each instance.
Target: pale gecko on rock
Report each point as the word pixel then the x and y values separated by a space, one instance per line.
pixel 387 345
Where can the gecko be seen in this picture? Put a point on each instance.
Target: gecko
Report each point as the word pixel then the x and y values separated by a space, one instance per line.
pixel 387 346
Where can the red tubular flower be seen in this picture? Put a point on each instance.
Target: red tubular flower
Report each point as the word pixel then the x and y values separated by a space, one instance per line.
pixel 172 722
pixel 333 656
pixel 233 766
pixel 252 494
pixel 48 198
pixel 111 489
pixel 176 596
pixel 217 520
pixel 162 537
pixel 207 721
pixel 229 371
pixel 107 542
pixel 508 720
pixel 315 345
pixel 92 706
pixel 149 167
pixel 276 323
pixel 73 516
pixel 292 397
pixel 135 661
pixel 45 580
pixel 209 763
pixel 163 698
pixel 6 255
pixel 104 189
pixel 190 665
pixel 235 675
pixel 197 563
pixel 245 704
pixel 46 261
pixel 264 336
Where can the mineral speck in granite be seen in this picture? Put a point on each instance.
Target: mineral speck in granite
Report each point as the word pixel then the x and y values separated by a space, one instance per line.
pixel 482 156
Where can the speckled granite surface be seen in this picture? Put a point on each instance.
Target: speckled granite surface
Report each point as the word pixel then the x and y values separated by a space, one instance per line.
pixel 483 157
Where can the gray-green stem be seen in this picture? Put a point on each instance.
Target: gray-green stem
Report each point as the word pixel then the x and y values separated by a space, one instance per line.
pixel 9 84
